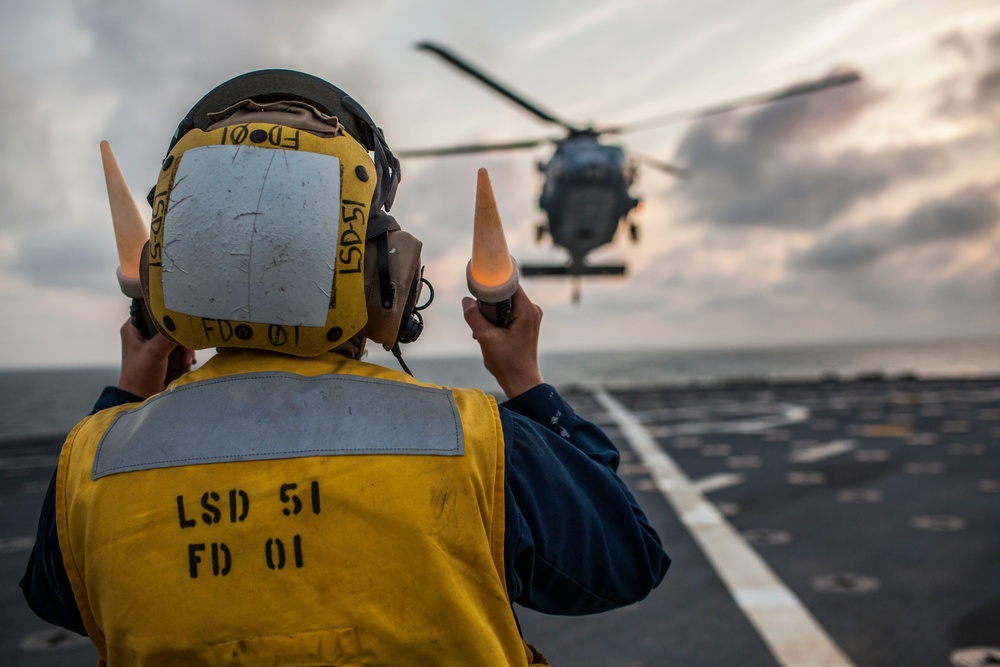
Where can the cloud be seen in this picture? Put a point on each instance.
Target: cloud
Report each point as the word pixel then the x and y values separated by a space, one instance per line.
pixel 74 258
pixel 768 167
pixel 26 181
pixel 977 94
pixel 843 251
pixel 580 22
pixel 91 71
pixel 968 214
pixel 988 88
pixel 781 167
pixel 964 216
pixel 837 24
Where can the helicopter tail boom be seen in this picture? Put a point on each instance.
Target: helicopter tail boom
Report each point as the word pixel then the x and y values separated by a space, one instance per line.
pixel 557 270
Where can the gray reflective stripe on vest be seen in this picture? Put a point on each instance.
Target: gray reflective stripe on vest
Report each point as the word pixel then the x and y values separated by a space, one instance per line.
pixel 274 415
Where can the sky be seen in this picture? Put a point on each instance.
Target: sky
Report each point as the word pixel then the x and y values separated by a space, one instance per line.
pixel 866 213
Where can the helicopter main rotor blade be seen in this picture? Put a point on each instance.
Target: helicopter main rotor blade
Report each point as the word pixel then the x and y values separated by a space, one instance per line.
pixel 506 91
pixel 805 88
pixel 671 169
pixel 472 148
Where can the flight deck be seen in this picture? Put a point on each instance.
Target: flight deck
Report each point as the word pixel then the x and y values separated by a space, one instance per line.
pixel 829 523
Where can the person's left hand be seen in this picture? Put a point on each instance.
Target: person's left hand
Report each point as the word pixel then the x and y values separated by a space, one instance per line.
pixel 144 362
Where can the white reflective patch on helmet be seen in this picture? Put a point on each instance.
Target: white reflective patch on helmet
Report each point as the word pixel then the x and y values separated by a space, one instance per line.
pixel 250 235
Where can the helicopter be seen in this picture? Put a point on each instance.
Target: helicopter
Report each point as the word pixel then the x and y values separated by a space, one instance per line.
pixel 586 191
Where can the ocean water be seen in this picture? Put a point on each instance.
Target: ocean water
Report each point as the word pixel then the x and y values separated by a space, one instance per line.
pixel 47 403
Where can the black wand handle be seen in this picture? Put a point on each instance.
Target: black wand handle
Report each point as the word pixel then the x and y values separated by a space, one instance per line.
pixel 143 321
pixel 500 314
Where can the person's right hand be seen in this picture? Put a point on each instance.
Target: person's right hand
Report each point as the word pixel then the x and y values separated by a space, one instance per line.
pixel 144 362
pixel 510 354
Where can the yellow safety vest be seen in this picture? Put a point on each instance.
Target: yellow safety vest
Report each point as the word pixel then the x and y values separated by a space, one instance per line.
pixel 273 510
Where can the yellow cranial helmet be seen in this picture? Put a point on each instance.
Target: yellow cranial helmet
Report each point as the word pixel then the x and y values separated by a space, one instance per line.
pixel 269 213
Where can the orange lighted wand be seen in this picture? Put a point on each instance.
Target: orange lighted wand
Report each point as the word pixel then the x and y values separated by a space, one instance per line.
pixel 492 273
pixel 131 235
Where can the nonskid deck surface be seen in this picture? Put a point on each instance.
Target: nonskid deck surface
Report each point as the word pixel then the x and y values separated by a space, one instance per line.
pixel 828 524
pixel 875 506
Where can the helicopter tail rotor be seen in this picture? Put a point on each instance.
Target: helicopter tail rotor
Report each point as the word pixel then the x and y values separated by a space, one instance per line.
pixel 556 270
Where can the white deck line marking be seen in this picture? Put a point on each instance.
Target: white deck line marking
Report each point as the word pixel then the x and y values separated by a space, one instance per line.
pixel 786 626
pixel 718 481
pixel 820 452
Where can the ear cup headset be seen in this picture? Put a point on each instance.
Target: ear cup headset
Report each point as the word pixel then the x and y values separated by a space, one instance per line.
pixel 392 273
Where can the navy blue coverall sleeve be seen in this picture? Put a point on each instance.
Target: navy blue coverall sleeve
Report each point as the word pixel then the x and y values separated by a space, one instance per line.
pixel 576 542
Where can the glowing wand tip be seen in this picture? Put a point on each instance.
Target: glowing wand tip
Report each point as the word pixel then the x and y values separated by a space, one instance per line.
pixel 492 273
pixel 491 263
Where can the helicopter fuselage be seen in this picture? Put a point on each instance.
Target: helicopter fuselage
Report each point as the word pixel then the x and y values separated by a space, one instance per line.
pixel 586 194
